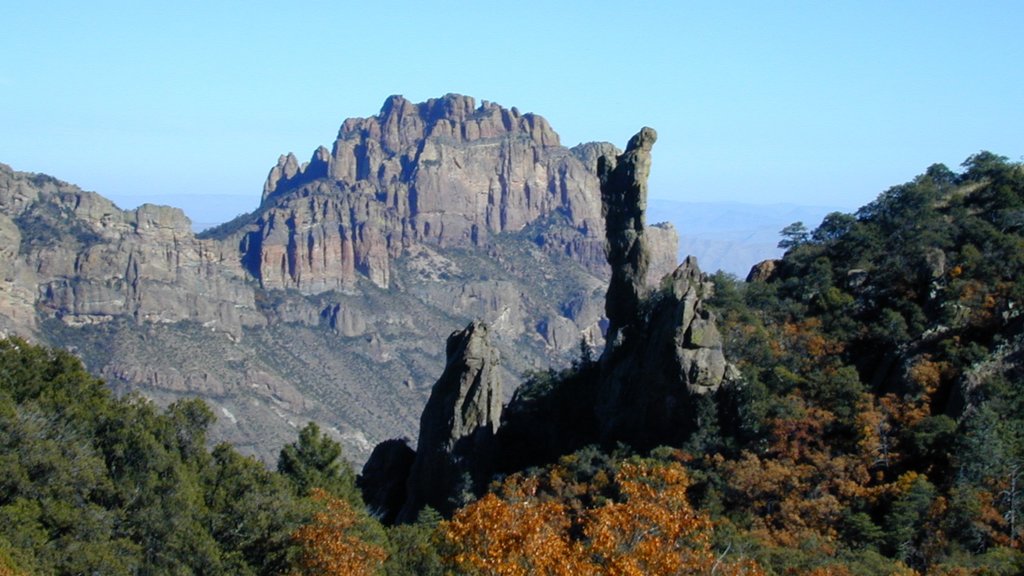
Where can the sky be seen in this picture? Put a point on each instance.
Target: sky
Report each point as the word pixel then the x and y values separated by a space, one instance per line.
pixel 812 103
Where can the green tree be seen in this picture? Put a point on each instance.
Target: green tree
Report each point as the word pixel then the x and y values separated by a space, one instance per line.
pixel 794 235
pixel 314 461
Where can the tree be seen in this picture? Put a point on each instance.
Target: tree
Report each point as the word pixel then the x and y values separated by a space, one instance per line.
pixel 638 521
pixel 794 235
pixel 330 544
pixel 315 461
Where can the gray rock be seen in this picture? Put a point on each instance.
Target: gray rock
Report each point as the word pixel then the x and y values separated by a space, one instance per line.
pixel 623 201
pixel 457 427
pixel 663 346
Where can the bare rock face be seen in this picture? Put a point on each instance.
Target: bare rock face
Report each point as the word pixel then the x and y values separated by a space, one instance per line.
pixel 623 202
pixel 323 239
pixel 663 347
pixel 457 427
pixel 92 262
pixel 673 353
pixel 443 172
pixel 660 240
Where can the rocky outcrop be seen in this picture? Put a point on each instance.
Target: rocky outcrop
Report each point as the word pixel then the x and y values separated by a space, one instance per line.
pixel 91 262
pixel 324 238
pixel 663 353
pixel 663 348
pixel 763 271
pixel 672 354
pixel 457 427
pixel 623 202
pixel 661 239
pixel 443 172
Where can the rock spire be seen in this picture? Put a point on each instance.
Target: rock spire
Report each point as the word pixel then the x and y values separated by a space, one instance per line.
pixel 457 427
pixel 623 203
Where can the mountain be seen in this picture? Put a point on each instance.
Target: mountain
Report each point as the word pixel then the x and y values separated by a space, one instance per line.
pixel 854 407
pixel 731 236
pixel 326 303
pixel 663 353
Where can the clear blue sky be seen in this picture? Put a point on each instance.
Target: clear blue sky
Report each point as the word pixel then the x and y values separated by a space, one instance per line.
pixel 825 103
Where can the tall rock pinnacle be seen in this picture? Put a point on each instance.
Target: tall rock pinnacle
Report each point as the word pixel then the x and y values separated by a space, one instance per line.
pixel 623 203
pixel 457 426
pixel 663 349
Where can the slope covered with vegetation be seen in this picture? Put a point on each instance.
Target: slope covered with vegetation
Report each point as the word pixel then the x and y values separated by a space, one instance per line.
pixel 882 363
pixel 877 429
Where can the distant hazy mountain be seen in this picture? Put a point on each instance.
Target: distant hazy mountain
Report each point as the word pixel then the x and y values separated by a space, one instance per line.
pixel 204 210
pixel 731 236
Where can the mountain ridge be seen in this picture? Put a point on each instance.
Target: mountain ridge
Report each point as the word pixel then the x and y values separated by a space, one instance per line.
pixel 324 303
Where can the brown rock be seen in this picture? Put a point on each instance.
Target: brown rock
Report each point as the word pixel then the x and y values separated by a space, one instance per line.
pixel 444 172
pixel 763 271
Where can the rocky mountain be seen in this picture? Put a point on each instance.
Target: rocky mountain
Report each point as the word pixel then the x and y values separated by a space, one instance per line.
pixel 663 352
pixel 327 303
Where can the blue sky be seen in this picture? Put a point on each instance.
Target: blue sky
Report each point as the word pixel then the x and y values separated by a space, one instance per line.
pixel 825 103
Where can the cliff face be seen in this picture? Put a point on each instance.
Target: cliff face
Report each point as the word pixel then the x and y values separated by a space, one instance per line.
pixel 75 256
pixel 663 351
pixel 444 172
pixel 326 303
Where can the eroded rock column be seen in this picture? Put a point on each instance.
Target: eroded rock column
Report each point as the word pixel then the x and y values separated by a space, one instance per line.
pixel 623 203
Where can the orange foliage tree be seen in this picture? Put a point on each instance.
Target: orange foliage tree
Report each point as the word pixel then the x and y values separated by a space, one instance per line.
pixel 496 536
pixel 648 527
pixel 329 544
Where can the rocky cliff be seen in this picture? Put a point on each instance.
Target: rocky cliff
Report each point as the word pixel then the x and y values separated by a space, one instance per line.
pixel 74 256
pixel 663 353
pixel 327 302
pixel 444 173
pixel 663 347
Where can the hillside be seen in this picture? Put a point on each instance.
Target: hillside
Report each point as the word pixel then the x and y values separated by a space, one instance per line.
pixel 852 408
pixel 870 422
pixel 329 301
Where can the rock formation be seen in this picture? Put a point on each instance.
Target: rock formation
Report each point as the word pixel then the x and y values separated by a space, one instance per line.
pixel 763 271
pixel 324 303
pixel 663 352
pixel 663 348
pixel 457 427
pixel 443 172
pixel 85 261
pixel 673 354
pixel 623 202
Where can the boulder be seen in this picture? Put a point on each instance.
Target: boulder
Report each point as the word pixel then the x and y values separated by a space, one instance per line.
pixel 763 271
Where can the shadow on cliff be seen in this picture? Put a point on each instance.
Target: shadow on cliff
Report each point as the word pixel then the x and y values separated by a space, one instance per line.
pixel 663 353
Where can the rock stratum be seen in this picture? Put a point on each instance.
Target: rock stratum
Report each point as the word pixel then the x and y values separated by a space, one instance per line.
pixel 327 302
